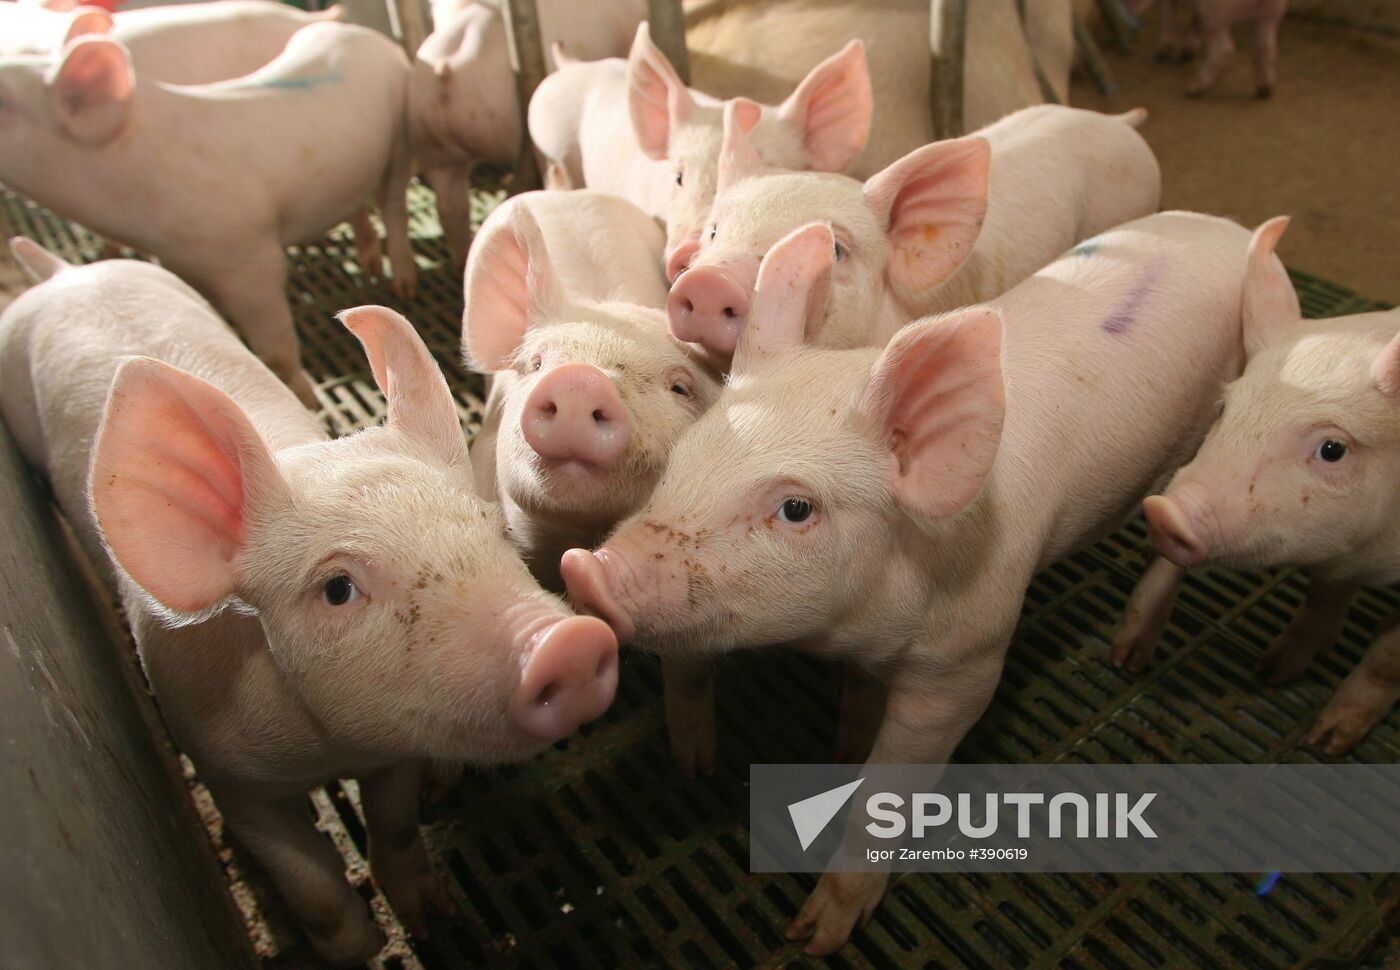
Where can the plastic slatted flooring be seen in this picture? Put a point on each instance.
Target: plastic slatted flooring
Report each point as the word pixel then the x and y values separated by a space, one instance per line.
pixel 599 854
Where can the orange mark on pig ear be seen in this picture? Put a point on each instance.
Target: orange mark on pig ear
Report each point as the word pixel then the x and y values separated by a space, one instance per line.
pixel 931 232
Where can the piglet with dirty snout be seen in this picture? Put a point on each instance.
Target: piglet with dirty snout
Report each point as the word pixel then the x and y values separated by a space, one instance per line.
pixel 216 179
pixel 1300 470
pixel 886 506
pixel 589 391
pixel 380 617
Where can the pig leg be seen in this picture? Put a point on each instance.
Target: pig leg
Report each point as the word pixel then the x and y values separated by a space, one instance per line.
pixel 1219 47
pixel 392 199
pixel 862 710
pixel 367 252
pixel 309 874
pixel 248 289
pixel 452 186
pixel 1265 50
pixel 1316 625
pixel 1168 41
pixel 927 713
pixel 397 856
pixel 1148 610
pixel 1365 697
pixel 690 713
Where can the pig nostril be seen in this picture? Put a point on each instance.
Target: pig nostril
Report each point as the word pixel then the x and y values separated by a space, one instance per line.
pixel 729 312
pixel 687 306
pixel 547 694
pixel 550 410
pixel 599 416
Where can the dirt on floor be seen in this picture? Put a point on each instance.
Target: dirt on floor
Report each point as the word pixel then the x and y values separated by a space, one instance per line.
pixel 1325 149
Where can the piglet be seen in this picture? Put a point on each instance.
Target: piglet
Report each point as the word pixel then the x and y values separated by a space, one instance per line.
pixel 1213 21
pixel 463 106
pixel 1300 470
pixel 949 224
pixel 216 179
pixel 305 609
pixel 634 129
pixel 563 306
pixel 889 507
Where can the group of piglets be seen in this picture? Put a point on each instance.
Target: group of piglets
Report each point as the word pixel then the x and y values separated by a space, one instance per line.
pixel 848 400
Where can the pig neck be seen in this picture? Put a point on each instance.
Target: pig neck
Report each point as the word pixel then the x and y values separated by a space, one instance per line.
pixel 898 307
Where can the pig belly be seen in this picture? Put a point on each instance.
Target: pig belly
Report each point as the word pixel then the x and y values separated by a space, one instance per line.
pixel 1115 365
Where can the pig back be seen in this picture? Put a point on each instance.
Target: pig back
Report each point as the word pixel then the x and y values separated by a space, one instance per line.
pixel 1115 358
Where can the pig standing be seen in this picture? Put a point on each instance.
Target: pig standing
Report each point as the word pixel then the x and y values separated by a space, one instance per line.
pixel 563 306
pixel 885 506
pixel 463 107
pixel 950 224
pixel 1213 21
pixel 633 129
pixel 393 621
pixel 1299 470
pixel 259 162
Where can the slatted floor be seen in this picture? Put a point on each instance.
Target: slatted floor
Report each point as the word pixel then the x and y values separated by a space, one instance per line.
pixel 599 854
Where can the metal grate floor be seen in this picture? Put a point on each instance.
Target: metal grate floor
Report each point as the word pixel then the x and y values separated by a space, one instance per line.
pixel 599 854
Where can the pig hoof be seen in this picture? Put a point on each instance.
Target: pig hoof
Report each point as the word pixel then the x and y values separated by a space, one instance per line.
pixel 354 940
pixel 1358 706
pixel 832 911
pixel 1264 91
pixel 1285 660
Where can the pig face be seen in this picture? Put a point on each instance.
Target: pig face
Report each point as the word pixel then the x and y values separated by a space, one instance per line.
pixel 54 107
pixel 822 126
pixel 1300 467
pixel 800 504
pixel 391 599
pixel 594 396
pixel 898 236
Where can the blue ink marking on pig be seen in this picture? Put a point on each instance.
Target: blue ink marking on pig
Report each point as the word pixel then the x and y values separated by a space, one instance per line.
pixel 1087 248
pixel 297 83
pixel 1126 312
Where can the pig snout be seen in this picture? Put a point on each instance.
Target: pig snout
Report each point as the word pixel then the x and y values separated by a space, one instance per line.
pixel 591 591
pixel 679 259
pixel 575 413
pixel 569 680
pixel 1172 531
pixel 707 306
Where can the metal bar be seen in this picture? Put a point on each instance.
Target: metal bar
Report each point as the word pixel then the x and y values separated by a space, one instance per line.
pixel 668 31
pixel 527 61
pixel 1092 57
pixel 1047 90
pixel 947 45
pixel 1121 21
pixel 406 18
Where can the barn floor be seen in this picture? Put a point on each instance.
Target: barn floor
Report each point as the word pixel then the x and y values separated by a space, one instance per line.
pixel 599 854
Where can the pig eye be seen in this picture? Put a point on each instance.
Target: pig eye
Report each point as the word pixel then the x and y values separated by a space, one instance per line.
pixel 680 389
pixel 339 590
pixel 536 362
pixel 680 177
pixel 714 229
pixel 795 510
pixel 1331 451
pixel 839 252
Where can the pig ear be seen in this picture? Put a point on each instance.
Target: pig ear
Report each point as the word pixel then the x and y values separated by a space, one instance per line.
pixel 87 20
pixel 510 280
pixel 737 157
pixel 937 397
pixel 830 110
pixel 419 401
pixel 932 202
pixel 1386 369
pixel 40 263
pixel 89 87
pixel 657 98
pixel 794 282
pixel 177 474
pixel 1269 298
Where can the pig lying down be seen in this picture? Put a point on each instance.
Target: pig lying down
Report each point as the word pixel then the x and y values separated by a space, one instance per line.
pixel 270 159
pixel 378 616
pixel 884 506
pixel 563 306
pixel 1300 470
pixel 632 128
pixel 949 224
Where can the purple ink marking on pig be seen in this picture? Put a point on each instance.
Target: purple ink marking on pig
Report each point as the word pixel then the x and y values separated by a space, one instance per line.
pixel 1126 312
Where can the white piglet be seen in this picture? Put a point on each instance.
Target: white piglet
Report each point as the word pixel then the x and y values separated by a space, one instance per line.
pixel 889 507
pixel 632 128
pixel 1300 470
pixel 950 224
pixel 216 179
pixel 564 297
pixel 305 609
